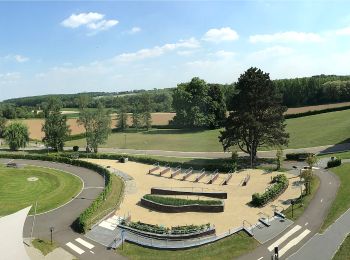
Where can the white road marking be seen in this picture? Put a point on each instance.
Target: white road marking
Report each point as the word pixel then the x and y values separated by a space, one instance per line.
pixel 306 223
pixel 85 243
pixel 321 200
pixel 92 252
pixel 260 258
pixel 284 237
pixel 294 242
pixel 75 248
pixel 330 183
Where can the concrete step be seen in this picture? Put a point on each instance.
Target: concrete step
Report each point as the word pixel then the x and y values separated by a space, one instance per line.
pixel 264 221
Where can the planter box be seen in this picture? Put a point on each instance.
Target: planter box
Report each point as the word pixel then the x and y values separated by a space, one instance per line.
pixel 163 191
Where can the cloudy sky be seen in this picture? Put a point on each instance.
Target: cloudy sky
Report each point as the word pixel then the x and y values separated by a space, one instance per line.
pixel 68 47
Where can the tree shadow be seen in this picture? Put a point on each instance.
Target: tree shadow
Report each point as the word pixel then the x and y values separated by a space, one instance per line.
pixel 341 146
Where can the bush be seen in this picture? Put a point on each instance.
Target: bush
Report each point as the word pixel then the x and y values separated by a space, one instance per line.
pixel 333 163
pixel 298 156
pixel 75 148
pixel 280 184
pixel 179 202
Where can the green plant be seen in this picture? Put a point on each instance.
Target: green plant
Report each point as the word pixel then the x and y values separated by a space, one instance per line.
pixel 179 202
pixel 333 163
pixel 75 148
pixel 298 156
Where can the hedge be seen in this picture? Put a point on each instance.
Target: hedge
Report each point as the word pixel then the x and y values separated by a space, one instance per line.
pixel 333 163
pixel 156 229
pixel 316 112
pixel 81 223
pixel 171 201
pixel 280 184
pixel 297 156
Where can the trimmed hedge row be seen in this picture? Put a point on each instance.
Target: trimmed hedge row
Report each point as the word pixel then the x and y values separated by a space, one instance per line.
pixel 316 112
pixel 81 224
pixel 179 202
pixel 156 229
pixel 297 156
pixel 333 163
pixel 280 184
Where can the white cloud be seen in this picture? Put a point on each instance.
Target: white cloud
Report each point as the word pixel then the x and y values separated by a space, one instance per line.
pixel 158 50
pixel 9 77
pixel 134 30
pixel 20 58
pixel 271 52
pixel 343 31
pixel 224 54
pixel 220 35
pixel 93 21
pixel 286 37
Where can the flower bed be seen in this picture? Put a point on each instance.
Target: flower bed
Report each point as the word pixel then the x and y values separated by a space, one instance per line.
pixel 280 184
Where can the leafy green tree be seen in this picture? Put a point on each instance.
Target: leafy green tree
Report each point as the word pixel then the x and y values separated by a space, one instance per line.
pixel 198 105
pixel 146 109
pixel 311 160
pixel 136 115
pixel 122 116
pixel 97 124
pixel 256 118
pixel 55 127
pixel 279 158
pixel 16 135
pixel 307 176
pixel 3 122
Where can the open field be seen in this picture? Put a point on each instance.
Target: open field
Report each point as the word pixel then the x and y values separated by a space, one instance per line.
pixel 236 208
pixel 227 248
pixel 51 188
pixel 297 110
pixel 341 202
pixel 304 132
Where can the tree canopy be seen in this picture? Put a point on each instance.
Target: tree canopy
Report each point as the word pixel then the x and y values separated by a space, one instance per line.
pixel 16 135
pixel 256 118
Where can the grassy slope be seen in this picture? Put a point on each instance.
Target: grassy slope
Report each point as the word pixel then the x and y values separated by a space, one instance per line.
pixel 53 188
pixel 344 250
pixel 44 246
pixel 341 202
pixel 227 248
pixel 304 132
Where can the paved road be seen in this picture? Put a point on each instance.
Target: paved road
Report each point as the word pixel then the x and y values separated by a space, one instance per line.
pixel 63 217
pixel 307 225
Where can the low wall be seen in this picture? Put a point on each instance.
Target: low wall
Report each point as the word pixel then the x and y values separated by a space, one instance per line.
pixel 185 208
pixel 210 194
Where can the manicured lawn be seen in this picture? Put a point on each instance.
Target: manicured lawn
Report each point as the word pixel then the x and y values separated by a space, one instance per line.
pixel 344 155
pixel 317 130
pixel 344 250
pixel 341 202
pixel 227 248
pixel 298 209
pixel 51 189
pixel 44 246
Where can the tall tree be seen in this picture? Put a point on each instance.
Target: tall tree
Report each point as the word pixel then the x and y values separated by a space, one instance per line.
pixel 256 118
pixel 97 124
pixel 122 116
pixel 55 127
pixel 16 135
pixel 3 122
pixel 136 115
pixel 146 108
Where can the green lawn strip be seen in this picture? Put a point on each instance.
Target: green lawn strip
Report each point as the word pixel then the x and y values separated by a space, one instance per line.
pixel 227 248
pixel 344 250
pixel 179 201
pixel 44 246
pixel 342 155
pixel 52 189
pixel 341 202
pixel 112 200
pixel 304 132
pixel 299 209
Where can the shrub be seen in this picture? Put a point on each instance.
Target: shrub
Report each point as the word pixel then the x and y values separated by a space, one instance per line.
pixel 333 163
pixel 179 202
pixel 75 148
pixel 280 184
pixel 298 156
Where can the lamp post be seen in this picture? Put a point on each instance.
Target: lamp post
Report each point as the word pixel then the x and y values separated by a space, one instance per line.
pixel 51 230
pixel 301 186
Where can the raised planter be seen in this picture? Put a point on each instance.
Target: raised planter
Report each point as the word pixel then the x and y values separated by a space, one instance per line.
pixel 210 194
pixel 184 208
pixel 207 232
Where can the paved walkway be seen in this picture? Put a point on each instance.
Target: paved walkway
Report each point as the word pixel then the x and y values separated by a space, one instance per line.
pixel 307 225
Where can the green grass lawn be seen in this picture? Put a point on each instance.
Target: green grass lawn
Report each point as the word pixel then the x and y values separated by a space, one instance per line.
pixel 44 246
pixel 341 202
pixel 228 248
pixel 316 130
pixel 344 250
pixel 299 209
pixel 52 189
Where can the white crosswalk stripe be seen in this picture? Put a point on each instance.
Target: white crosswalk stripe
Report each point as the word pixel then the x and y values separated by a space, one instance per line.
pixel 284 237
pixel 75 248
pixel 293 242
pixel 84 243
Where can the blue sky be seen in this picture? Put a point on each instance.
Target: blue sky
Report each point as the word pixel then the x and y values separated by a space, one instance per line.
pixel 69 47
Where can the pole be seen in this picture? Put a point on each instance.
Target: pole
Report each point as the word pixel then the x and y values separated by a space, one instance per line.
pixel 251 155
pixel 104 186
pixel 124 140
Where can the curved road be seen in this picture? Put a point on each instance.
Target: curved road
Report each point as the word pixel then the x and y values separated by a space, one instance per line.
pixel 312 218
pixel 62 217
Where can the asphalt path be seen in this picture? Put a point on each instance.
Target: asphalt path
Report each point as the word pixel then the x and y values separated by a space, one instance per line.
pixel 312 218
pixel 62 217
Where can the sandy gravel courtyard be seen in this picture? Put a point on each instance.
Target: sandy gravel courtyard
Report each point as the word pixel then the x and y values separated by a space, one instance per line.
pixel 236 205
